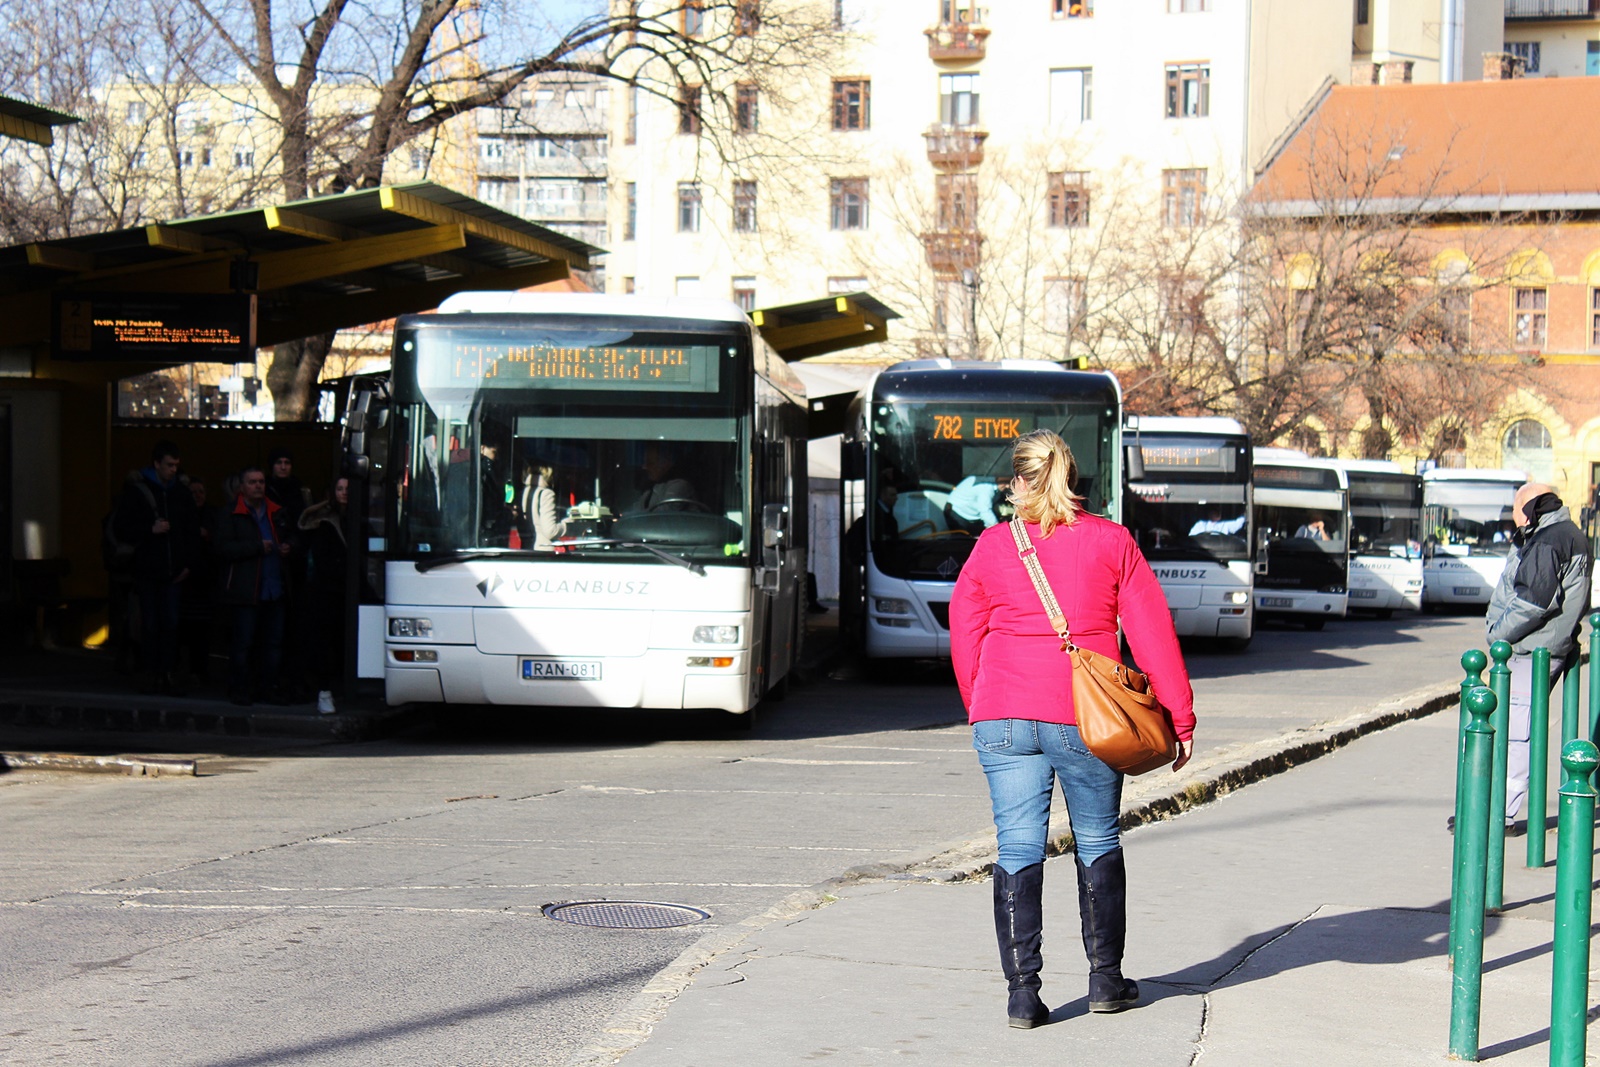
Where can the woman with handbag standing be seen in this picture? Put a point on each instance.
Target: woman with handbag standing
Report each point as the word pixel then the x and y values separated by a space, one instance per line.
pixel 1016 681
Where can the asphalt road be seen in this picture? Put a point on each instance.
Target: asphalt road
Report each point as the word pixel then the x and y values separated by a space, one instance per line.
pixel 380 903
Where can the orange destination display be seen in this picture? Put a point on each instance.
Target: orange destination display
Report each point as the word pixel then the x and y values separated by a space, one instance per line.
pixel 160 328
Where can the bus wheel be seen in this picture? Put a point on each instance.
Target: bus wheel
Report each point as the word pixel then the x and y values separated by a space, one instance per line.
pixel 743 722
pixel 1316 624
pixel 1234 644
pixel 1385 613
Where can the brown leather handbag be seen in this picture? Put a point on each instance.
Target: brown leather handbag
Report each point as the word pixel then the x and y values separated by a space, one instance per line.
pixel 1119 718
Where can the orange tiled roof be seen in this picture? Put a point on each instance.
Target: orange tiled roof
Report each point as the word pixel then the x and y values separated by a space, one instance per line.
pixel 1519 144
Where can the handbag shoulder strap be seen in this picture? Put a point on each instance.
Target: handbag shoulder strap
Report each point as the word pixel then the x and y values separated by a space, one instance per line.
pixel 1029 554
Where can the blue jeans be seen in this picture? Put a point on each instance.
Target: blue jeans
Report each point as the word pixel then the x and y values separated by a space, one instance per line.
pixel 257 627
pixel 1022 759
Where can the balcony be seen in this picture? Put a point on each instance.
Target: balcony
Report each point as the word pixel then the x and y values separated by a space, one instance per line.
pixel 956 41
pixel 952 251
pixel 955 147
pixel 1552 10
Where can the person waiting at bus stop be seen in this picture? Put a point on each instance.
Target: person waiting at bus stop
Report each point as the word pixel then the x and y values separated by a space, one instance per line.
pixel 1540 601
pixel 252 550
pixel 1016 682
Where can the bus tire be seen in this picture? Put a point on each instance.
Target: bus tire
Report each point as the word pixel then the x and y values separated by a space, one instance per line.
pixel 1316 624
pixel 1235 645
pixel 1384 613
pixel 742 721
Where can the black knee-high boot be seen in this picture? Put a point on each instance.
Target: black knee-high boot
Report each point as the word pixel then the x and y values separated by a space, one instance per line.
pixel 1103 904
pixel 1019 926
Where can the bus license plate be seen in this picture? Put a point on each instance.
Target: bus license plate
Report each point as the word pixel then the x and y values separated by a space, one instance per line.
pixel 1364 594
pixel 561 670
pixel 1467 590
pixel 1277 602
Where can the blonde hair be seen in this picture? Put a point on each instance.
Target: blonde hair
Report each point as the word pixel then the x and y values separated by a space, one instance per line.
pixel 1045 462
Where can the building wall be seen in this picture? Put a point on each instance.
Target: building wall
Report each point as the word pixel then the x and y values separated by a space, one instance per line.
pixel 1564 47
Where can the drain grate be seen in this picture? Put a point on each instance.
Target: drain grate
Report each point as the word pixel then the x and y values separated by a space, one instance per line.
pixel 625 914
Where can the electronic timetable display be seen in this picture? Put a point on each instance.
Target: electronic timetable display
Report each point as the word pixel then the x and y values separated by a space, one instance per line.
pixel 1193 455
pixel 508 363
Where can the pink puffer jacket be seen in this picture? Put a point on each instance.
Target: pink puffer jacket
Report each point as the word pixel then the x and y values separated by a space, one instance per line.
pixel 1009 663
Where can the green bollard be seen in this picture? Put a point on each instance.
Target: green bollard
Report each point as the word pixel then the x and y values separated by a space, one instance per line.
pixel 1538 754
pixel 1500 682
pixel 1473 661
pixel 1569 992
pixel 1571 682
pixel 1594 674
pixel 1467 893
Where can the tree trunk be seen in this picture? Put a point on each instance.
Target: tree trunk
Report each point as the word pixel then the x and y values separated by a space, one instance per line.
pixel 292 376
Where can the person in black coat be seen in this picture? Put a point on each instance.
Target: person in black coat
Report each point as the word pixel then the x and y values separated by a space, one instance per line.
pixel 327 555
pixel 156 515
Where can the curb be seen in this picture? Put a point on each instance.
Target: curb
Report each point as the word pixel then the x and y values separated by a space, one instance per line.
pixel 150 767
pixel 970 859
pixel 67 712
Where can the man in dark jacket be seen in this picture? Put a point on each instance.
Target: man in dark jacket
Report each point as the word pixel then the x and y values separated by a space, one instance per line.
pixel 1542 598
pixel 156 516
pixel 251 551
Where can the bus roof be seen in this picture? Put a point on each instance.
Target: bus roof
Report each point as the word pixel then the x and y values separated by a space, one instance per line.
pixel 1006 379
pixel 1204 424
pixel 1474 474
pixel 1303 461
pixel 1372 466
pixel 619 305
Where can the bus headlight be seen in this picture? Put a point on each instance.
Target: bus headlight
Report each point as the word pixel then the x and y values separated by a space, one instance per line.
pixel 410 627
pixel 892 606
pixel 716 635
pixel 1237 596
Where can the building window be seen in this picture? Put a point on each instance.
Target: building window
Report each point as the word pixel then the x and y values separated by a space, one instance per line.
pixel 491 192
pixel 688 207
pixel 1594 319
pixel 491 149
pixel 1065 306
pixel 1068 198
pixel 689 110
pixel 1071 9
pixel 744 207
pixel 1363 12
pixel 630 218
pixel 1528 52
pixel 1455 313
pixel 136 112
pixel 205 157
pixel 243 158
pixel 1183 196
pixel 958 99
pixel 627 284
pixel 1182 7
pixel 630 132
pixel 847 201
pixel 1071 96
pixel 1528 323
pixel 572 98
pixel 1183 299
pixel 694 18
pixel 746 17
pixel 744 294
pixel 852 104
pixel 1528 446
pixel 1188 90
pixel 746 103
pixel 957 196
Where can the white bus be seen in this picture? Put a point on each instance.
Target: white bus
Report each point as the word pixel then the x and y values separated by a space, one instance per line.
pixel 1188 504
pixel 1385 537
pixel 924 464
pixel 1467 518
pixel 1302 513
pixel 665 436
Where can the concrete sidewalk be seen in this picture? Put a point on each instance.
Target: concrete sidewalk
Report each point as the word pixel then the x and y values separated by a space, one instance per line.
pixel 1301 920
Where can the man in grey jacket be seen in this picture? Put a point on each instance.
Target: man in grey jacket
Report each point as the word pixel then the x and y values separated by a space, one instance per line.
pixel 1542 598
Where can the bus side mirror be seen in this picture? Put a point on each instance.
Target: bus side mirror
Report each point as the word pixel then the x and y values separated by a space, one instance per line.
pixel 357 465
pixel 774 526
pixel 1133 462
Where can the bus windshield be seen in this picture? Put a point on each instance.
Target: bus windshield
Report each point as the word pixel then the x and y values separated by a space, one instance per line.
pixel 1385 515
pixel 943 469
pixel 1191 504
pixel 1472 518
pixel 590 439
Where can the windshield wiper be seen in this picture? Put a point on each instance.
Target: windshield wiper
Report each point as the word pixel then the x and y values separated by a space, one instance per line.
pixel 687 564
pixel 465 555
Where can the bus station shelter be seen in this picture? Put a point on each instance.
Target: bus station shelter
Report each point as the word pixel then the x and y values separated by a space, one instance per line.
pixel 79 314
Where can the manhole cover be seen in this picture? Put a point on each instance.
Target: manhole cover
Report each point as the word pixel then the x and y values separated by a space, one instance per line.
pixel 625 914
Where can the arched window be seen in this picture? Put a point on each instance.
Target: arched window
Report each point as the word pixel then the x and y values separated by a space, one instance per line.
pixel 1527 446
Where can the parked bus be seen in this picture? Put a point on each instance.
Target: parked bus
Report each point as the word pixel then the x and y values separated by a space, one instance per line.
pixel 1302 513
pixel 1467 519
pixel 594 501
pixel 1385 537
pixel 925 462
pixel 1188 504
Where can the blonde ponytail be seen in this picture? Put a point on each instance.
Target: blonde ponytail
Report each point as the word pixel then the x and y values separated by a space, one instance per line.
pixel 1045 462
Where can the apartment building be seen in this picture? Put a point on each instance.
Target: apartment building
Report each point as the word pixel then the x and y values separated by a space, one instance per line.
pixel 1554 38
pixel 969 164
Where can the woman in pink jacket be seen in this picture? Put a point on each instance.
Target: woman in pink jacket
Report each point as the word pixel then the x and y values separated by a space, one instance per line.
pixel 1017 686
